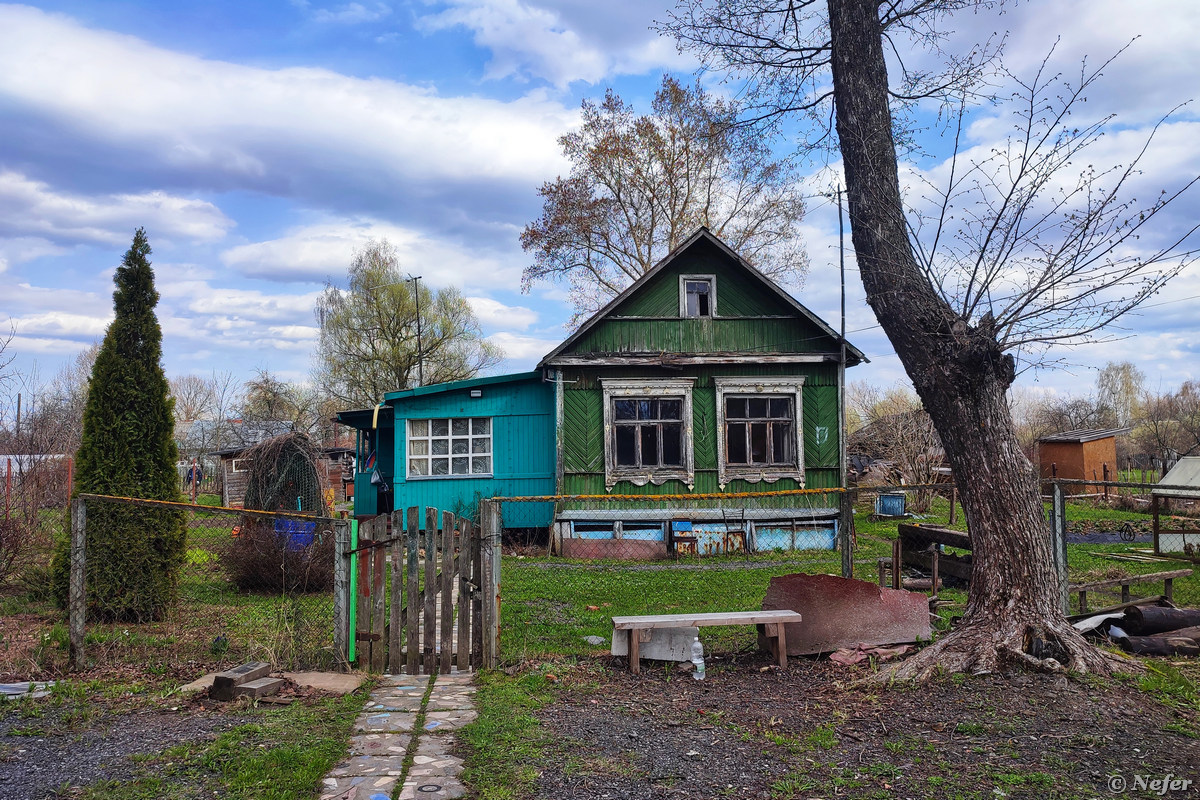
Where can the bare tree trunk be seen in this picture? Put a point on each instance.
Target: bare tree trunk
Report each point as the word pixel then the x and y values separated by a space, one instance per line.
pixel 1013 615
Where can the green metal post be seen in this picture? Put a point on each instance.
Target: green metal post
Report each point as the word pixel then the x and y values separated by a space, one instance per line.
pixel 351 655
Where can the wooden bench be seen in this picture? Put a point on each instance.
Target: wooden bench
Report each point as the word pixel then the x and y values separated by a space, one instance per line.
pixel 640 628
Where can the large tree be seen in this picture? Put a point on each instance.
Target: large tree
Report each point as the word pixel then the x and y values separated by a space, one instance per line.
pixel 386 332
pixel 128 449
pixel 1020 252
pixel 640 185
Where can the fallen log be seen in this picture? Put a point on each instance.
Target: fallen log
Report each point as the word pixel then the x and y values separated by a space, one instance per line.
pixel 1182 633
pixel 1154 619
pixel 1155 646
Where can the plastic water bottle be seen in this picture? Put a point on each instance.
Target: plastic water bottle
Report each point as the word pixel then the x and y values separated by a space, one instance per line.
pixel 697 659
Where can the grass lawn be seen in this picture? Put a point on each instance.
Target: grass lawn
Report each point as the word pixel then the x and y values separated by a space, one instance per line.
pixel 549 605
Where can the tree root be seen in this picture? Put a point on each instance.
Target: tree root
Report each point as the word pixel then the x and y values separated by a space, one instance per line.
pixel 986 646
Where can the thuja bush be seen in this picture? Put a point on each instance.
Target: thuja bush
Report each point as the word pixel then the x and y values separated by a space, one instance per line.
pixel 134 553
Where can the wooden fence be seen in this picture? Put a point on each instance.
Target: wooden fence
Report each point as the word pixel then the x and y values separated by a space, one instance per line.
pixel 423 591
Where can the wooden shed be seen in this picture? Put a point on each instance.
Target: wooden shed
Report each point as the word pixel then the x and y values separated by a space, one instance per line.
pixel 334 464
pixel 1089 454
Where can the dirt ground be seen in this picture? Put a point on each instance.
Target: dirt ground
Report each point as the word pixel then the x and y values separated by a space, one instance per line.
pixel 42 753
pixel 753 731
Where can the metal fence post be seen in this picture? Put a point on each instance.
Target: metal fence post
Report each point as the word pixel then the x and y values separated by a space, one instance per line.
pixel 1058 540
pixel 341 593
pixel 846 531
pixel 77 597
pixel 490 552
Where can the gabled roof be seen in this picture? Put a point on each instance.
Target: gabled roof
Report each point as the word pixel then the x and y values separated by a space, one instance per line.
pixel 1084 435
pixel 854 355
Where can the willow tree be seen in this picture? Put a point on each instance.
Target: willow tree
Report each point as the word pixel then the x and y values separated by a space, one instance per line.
pixel 1023 246
pixel 386 332
pixel 640 184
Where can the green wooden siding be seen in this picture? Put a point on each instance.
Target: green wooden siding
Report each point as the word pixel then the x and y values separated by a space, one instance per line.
pixel 738 293
pixel 583 429
pixel 738 335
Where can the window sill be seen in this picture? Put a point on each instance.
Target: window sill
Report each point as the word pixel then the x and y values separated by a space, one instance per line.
pixel 447 477
pixel 761 474
pixel 642 477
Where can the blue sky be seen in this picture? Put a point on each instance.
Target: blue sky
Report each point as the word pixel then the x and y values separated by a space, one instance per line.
pixel 261 143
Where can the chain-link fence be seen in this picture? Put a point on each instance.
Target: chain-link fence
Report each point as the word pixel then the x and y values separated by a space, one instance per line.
pixel 571 563
pixel 246 585
pixel 1126 540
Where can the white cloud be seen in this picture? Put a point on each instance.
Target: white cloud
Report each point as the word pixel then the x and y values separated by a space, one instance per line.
pixel 30 208
pixel 562 42
pixel 294 132
pixel 346 14
pixel 324 250
pixel 526 350
pixel 493 313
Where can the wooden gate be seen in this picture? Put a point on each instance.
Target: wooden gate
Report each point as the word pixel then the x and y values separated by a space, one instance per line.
pixel 432 575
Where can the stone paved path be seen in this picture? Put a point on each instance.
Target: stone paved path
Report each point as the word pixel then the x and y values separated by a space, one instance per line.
pixel 409 719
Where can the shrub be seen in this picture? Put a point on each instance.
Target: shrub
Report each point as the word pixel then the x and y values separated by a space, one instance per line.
pixel 262 559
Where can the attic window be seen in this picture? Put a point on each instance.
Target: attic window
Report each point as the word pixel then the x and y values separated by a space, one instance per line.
pixel 697 296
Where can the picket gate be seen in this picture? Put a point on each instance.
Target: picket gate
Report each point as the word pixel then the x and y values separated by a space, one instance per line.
pixel 420 598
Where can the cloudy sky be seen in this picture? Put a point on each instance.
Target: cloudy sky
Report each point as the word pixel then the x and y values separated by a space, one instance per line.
pixel 261 143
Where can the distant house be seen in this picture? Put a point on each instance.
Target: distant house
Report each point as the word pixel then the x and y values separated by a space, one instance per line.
pixel 233 467
pixel 1089 454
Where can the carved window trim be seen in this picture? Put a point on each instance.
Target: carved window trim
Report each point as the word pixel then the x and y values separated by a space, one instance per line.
pixel 681 388
pixel 792 387
pixel 711 280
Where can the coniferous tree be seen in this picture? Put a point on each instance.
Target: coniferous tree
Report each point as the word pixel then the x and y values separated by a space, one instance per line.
pixel 134 554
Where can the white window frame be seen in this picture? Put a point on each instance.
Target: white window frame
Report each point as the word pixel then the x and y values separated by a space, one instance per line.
pixel 792 387
pixel 658 388
pixel 711 280
pixel 449 437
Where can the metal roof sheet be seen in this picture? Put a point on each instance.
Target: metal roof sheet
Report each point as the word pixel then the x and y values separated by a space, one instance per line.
pixel 1186 472
pixel 451 386
pixel 1084 435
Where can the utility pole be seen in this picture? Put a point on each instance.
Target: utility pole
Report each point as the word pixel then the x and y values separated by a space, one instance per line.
pixel 420 355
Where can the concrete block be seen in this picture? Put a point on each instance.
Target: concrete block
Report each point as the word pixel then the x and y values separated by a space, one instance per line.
pixel 666 644
pixel 259 688
pixel 224 682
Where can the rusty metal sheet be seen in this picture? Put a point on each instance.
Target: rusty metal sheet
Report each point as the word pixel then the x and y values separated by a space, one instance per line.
pixel 842 612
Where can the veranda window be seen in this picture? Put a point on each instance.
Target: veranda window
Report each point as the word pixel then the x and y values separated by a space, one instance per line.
pixel 453 447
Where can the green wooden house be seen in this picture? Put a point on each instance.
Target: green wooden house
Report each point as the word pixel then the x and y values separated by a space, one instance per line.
pixel 703 377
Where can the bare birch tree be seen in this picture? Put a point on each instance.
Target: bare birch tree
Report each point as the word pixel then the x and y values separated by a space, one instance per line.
pixel 1020 248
